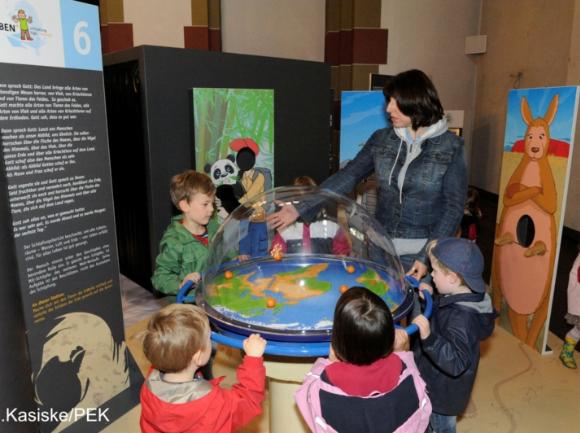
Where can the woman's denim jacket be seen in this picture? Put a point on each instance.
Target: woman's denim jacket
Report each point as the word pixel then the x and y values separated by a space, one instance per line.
pixel 434 190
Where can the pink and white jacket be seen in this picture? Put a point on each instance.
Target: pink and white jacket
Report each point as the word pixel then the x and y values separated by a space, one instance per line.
pixel 328 409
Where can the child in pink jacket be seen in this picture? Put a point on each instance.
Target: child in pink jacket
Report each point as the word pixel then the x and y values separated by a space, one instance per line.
pixel 364 386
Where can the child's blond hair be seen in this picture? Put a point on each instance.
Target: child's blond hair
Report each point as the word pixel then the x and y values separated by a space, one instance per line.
pixel 174 335
pixel 185 185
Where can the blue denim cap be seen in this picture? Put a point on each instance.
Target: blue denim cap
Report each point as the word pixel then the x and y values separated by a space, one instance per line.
pixel 464 258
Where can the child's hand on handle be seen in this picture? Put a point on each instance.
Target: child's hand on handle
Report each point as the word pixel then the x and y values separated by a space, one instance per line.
pixel 418 270
pixel 194 276
pixel 425 287
pixel 254 345
pixel 331 355
pixel 401 340
pixel 423 324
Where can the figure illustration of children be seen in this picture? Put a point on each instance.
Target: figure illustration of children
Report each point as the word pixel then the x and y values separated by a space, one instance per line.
pixel 176 399
pixel 364 383
pixel 573 315
pixel 23 22
pixel 254 181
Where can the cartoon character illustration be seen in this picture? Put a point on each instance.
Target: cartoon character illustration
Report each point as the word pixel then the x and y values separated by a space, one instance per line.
pixel 223 171
pixel 23 22
pixel 525 243
pixel 224 175
pixel 254 180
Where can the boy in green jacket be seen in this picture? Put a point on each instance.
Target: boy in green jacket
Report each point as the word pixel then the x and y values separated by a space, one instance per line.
pixel 183 249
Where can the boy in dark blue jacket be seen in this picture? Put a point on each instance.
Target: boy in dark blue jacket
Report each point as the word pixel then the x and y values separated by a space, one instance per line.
pixel 448 353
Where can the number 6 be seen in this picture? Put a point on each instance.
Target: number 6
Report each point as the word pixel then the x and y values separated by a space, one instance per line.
pixel 80 36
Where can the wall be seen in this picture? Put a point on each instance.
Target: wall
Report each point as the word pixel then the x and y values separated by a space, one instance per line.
pixel 572 217
pixel 292 29
pixel 430 35
pixel 531 38
pixel 158 23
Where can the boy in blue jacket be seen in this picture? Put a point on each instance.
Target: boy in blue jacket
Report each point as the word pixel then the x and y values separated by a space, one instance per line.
pixel 448 352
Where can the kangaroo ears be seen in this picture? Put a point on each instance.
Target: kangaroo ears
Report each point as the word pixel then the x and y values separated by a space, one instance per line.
pixel 552 108
pixel 526 112
pixel 548 117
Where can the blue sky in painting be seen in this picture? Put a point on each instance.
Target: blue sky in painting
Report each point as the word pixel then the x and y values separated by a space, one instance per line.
pixel 361 113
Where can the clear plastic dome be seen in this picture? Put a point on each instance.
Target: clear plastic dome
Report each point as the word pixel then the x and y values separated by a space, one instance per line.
pixel 285 283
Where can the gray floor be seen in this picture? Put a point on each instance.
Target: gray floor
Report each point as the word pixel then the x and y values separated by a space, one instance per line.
pixel 138 303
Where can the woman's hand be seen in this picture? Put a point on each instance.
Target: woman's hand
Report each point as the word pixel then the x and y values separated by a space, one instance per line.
pixel 418 270
pixel 284 217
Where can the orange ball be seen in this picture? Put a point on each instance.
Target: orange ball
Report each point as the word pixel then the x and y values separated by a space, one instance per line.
pixel 270 303
pixel 228 275
pixel 350 269
pixel 343 288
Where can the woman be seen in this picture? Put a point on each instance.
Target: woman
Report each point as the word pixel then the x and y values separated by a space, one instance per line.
pixel 420 170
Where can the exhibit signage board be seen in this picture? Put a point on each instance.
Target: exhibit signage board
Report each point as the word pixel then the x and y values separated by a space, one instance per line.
pixel 57 200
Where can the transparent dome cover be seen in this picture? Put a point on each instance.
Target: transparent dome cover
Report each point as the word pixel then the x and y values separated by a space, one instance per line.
pixel 285 283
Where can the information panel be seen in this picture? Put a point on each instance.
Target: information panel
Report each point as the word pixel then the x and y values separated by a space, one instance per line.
pixel 56 172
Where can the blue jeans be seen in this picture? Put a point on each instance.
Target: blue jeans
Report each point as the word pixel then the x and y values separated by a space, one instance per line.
pixel 442 423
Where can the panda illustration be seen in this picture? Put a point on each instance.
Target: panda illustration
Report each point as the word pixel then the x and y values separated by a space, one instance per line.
pixel 223 171
pixel 224 175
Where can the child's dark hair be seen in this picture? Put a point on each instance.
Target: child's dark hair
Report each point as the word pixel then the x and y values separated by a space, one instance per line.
pixel 304 181
pixel 363 330
pixel 472 202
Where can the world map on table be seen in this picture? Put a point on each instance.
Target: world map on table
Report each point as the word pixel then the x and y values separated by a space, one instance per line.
pixel 295 293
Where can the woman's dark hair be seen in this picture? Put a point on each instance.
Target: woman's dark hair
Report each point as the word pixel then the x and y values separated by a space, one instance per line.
pixel 416 97
pixel 363 327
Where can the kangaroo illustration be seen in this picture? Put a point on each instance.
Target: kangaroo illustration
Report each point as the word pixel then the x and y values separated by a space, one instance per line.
pixel 525 244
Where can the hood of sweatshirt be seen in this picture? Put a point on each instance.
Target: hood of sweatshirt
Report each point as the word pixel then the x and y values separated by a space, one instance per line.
pixel 414 148
pixel 173 407
pixel 482 305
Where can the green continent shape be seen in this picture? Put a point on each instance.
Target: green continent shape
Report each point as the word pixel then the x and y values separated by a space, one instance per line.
pixel 239 294
pixel 373 281
pixel 234 294
pixel 311 283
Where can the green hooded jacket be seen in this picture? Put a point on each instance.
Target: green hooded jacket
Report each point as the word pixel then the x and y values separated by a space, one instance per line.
pixel 180 253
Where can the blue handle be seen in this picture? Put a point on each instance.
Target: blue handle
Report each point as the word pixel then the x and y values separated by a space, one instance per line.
pixel 413 282
pixel 182 294
pixel 279 348
pixel 276 347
